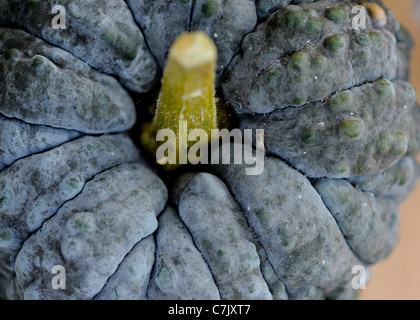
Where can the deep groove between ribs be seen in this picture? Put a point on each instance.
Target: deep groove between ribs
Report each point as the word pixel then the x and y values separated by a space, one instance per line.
pixel 204 259
pixel 60 207
pixel 146 41
pixel 245 216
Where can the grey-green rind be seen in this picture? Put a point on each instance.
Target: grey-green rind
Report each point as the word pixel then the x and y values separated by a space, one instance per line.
pixel 92 234
pixel 218 227
pixel 131 279
pixel 300 56
pixel 180 271
pixel 395 184
pixel 225 22
pixel 303 242
pixel 103 34
pixel 356 132
pixel 19 139
pixel 369 224
pixel 35 187
pixel 48 86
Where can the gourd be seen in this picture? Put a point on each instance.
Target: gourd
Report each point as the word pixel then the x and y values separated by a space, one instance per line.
pixel 79 186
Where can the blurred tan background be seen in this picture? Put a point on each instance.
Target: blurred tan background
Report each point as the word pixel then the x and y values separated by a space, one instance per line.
pixel 398 277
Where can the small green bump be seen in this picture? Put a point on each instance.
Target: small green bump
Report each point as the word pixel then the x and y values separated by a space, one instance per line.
pixel 220 253
pixel 127 47
pixel 319 62
pixel 315 25
pixel 298 60
pixel 336 14
pixel 272 75
pixel 370 147
pixel 164 274
pixel 400 145
pixel 284 235
pixel 335 43
pixel 109 37
pixel 361 57
pixel 11 53
pixel 343 198
pixel 340 168
pixel 376 37
pixel 261 216
pixel 209 8
pixel 310 136
pixel 5 235
pixel 363 39
pixel 73 184
pixel 80 225
pixel 384 88
pixel 403 178
pixel 385 143
pixel 251 288
pixel 340 101
pixel 296 19
pixel 38 61
pixel 352 128
pixel 385 92
pixel 299 99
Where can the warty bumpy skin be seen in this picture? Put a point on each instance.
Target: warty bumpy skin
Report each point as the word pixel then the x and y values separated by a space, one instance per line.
pixel 71 95
pixel 302 54
pixel 103 34
pixel 341 131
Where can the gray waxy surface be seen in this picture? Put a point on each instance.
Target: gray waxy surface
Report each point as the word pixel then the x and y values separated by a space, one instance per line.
pixel 34 188
pixel 91 235
pixel 48 86
pixel 216 223
pixel 131 279
pixel 302 240
pixel 395 184
pixel 162 22
pixel 226 22
pixel 370 224
pixel 180 272
pixel 278 233
pixel 19 139
pixel 102 33
pixel 356 132
pixel 303 54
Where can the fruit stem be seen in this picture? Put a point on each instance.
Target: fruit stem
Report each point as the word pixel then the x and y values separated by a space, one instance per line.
pixel 187 92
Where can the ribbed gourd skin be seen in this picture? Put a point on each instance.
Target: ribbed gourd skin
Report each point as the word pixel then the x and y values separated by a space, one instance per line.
pixel 76 190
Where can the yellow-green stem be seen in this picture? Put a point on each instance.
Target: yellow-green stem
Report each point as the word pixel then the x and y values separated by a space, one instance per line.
pixel 187 92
